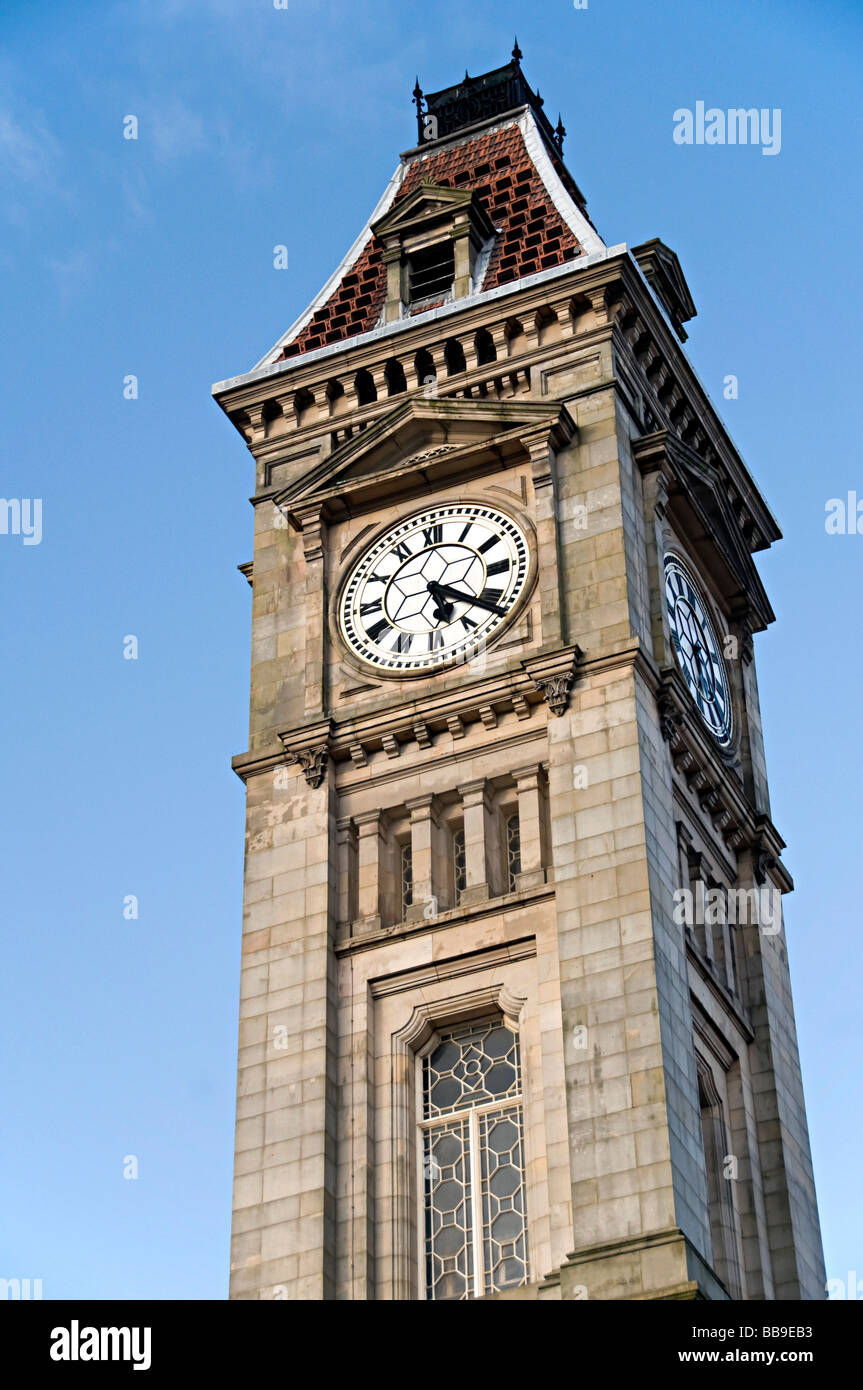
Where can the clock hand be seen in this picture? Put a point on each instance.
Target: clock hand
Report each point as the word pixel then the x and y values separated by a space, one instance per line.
pixel 443 612
pixel 436 589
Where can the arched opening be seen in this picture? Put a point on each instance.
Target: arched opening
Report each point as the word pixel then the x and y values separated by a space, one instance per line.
pixel 304 407
pixel 395 377
pixel 454 357
pixel 426 372
pixel 485 348
pixel 336 399
pixel 547 326
pixel 364 385
pixel 515 338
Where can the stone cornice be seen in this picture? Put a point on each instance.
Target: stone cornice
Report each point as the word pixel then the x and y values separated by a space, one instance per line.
pixel 455 917
pixel 544 677
pixel 623 301
pixel 408 335
pixel 677 401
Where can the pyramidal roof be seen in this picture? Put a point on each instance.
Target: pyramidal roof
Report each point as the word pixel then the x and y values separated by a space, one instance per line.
pixel 488 135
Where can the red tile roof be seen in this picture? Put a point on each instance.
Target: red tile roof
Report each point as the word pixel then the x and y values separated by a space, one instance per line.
pixel 532 235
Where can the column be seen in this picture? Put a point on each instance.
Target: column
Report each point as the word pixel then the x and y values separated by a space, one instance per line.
pixel 423 816
pixel 346 842
pixel 477 810
pixel 370 853
pixel 314 546
pixel 531 826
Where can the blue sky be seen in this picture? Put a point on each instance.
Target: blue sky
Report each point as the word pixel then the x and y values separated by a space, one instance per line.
pixel 154 257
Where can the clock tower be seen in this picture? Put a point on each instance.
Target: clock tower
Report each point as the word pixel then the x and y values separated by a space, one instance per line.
pixel 516 1018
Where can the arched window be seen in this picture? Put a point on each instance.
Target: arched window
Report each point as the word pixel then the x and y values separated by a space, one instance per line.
pixel 473 1163
pixel 720 1197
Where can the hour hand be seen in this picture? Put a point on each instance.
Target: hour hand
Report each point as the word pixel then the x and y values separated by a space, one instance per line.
pixel 450 592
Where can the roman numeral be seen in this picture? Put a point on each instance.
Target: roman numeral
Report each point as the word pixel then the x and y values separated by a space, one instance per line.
pixel 467 624
pixel 433 535
pixel 465 531
pixel 403 642
pixel 375 632
pixel 402 551
pixel 377 579
pixel 499 567
pixel 435 640
pixel 492 595
pixel 366 608
pixel 487 545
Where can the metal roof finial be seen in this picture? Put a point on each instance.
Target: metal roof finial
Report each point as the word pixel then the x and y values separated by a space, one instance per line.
pixel 418 102
pixel 516 52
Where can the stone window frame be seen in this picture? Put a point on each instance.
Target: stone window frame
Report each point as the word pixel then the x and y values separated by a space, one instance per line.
pixel 409 1045
pixel 476 1119
pixel 707 1063
pixel 512 847
pixel 459 860
pixel 697 861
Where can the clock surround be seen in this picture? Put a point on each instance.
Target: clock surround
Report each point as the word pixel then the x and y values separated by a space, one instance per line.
pixel 435 587
pixel 697 649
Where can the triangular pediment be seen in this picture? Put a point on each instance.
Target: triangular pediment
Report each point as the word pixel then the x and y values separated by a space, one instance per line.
pixel 422 436
pixel 428 201
pixel 699 495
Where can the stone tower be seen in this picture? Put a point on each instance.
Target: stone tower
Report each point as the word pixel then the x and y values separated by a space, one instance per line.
pixel 516 1018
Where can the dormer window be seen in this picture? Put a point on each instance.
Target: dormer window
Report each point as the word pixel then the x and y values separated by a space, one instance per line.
pixel 434 242
pixel 431 272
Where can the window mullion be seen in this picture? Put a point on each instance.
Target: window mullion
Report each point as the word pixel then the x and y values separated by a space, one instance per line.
pixel 476 1203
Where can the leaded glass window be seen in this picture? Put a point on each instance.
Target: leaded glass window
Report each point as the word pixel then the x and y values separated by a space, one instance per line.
pixel 473 1163
pixel 459 863
pixel 513 850
pixel 407 878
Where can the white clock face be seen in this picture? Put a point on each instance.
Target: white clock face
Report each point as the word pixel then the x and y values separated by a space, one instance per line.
pixel 434 588
pixel 697 650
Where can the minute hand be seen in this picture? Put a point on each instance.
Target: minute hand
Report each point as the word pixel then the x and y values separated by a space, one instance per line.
pixel 467 598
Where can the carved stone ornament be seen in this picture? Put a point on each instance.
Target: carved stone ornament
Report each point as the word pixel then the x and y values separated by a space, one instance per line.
pixel 669 721
pixel 313 763
pixel 762 863
pixel 555 690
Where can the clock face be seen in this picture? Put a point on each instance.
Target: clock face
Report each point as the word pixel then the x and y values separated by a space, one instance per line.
pixel 697 650
pixel 434 588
